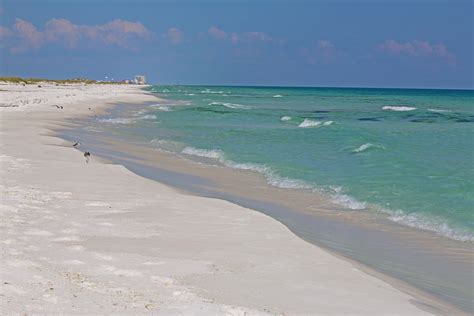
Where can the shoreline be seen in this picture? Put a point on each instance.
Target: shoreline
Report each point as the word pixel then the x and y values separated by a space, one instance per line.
pixel 402 253
pixel 78 233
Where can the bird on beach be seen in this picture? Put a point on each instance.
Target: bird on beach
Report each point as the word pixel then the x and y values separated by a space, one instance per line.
pixel 87 156
pixel 76 144
pixel 58 106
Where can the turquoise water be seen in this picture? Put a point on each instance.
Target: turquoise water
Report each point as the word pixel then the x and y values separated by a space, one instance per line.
pixel 407 153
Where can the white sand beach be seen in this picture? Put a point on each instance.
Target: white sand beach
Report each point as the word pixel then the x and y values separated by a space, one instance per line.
pixel 93 237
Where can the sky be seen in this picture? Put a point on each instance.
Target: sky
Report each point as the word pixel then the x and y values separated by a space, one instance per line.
pixel 406 44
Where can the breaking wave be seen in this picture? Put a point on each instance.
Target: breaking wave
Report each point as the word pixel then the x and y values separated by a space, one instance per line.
pixel 211 153
pixel 309 123
pixel 335 193
pixel 433 224
pixel 365 147
pixel 438 110
pixel 398 108
pixel 232 105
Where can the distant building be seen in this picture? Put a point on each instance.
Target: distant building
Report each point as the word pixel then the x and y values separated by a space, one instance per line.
pixel 140 79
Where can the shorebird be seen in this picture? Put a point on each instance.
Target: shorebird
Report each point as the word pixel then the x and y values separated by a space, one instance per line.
pixel 58 106
pixel 87 156
pixel 76 144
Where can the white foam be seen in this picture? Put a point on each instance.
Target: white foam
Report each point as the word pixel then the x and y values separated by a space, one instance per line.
pixel 285 118
pixel 211 92
pixel 246 166
pixel 272 178
pixel 345 200
pixel 277 96
pixel 438 110
pixel 166 145
pixel 349 202
pixel 232 105
pixel 327 123
pixel 307 123
pixel 365 146
pixel 398 108
pixel 212 153
pixel 433 224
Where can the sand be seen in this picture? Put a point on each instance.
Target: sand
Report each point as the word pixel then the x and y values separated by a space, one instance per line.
pixel 93 237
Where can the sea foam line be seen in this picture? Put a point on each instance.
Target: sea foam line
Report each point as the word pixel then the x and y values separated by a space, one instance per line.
pixel 432 224
pixel 336 193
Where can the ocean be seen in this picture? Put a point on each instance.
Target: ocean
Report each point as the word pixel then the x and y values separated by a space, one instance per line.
pixel 405 153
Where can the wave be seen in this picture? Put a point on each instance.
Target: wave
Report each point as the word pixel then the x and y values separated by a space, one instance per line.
pixel 166 145
pixel 335 193
pixel 278 96
pixel 211 92
pixel 432 224
pixel 398 108
pixel 190 94
pixel 365 147
pixel 232 105
pixel 340 198
pixel 285 118
pixel 272 178
pixel 438 110
pixel 206 153
pixel 309 123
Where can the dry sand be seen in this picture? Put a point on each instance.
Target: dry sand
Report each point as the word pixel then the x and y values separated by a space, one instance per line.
pixel 96 238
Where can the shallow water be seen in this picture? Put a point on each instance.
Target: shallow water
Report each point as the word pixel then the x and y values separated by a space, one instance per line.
pixel 430 262
pixel 406 153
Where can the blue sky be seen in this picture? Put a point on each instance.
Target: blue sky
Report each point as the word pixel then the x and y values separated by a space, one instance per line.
pixel 416 44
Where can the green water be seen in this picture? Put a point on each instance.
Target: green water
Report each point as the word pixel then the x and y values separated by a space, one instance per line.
pixel 408 153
